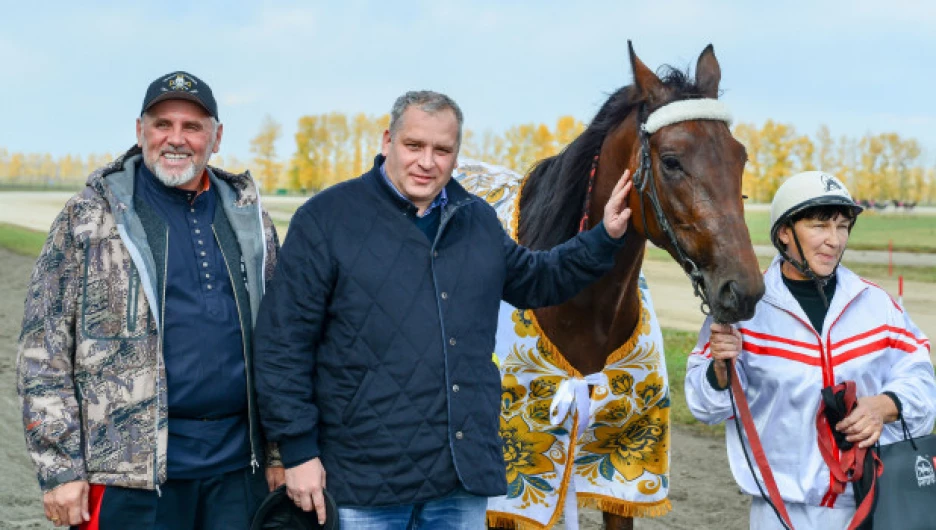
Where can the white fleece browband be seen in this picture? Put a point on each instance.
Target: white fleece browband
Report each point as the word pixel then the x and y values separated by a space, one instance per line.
pixel 686 110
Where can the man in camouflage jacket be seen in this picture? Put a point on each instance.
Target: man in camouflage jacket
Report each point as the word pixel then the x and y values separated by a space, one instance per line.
pixel 92 362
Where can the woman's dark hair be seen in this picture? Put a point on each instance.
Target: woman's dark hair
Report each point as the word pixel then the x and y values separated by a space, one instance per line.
pixel 824 213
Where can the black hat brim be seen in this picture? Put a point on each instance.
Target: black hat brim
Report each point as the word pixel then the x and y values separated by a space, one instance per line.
pixel 279 512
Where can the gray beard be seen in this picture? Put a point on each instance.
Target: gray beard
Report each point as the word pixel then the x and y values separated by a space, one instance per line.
pixel 171 180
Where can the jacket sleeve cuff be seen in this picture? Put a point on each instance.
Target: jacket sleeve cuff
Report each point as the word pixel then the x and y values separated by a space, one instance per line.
pixel 273 457
pixel 49 483
pixel 713 379
pixel 607 239
pixel 295 450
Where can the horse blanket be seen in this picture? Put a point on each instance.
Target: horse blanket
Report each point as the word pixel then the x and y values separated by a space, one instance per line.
pixel 599 440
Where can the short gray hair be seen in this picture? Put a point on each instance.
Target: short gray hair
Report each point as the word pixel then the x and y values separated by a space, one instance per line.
pixel 426 101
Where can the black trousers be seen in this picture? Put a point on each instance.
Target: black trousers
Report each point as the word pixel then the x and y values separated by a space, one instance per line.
pixel 226 501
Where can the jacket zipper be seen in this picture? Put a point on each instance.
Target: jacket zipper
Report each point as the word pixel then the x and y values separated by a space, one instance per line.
pixel 829 498
pixel 253 452
pixel 159 355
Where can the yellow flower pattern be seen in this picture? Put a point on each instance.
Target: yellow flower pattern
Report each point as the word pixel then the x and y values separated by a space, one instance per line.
pixel 621 382
pixel 524 450
pixel 621 459
pixel 650 389
pixel 523 323
pixel 640 447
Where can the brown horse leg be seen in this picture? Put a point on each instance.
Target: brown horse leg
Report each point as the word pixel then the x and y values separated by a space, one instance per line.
pixel 617 522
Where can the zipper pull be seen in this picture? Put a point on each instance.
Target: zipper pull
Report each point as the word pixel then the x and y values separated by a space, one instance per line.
pixel 158 491
pixel 253 463
pixel 243 267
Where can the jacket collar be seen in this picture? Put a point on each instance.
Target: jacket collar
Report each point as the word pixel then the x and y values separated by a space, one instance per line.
pixel 115 181
pixel 848 286
pixel 457 195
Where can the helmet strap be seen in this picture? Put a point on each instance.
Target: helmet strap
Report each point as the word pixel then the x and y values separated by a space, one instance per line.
pixel 804 268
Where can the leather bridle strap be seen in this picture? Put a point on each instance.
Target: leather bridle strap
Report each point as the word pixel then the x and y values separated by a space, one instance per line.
pixel 744 416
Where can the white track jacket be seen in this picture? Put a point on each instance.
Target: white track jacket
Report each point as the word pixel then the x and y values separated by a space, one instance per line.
pixel 784 364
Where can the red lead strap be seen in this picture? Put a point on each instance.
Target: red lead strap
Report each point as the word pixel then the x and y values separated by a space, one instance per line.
pixel 744 414
pixel 849 467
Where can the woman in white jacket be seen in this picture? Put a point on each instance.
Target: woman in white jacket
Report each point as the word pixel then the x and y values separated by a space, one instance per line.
pixel 817 325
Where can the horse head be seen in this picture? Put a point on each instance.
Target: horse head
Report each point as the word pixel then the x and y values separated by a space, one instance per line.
pixel 687 171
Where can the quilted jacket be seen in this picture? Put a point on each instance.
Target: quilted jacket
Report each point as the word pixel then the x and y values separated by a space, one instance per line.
pixel 374 343
pixel 90 365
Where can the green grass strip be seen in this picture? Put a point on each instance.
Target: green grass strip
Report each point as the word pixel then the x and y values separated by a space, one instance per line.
pixel 21 240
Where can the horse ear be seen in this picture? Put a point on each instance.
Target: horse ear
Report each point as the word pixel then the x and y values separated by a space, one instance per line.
pixel 647 82
pixel 708 73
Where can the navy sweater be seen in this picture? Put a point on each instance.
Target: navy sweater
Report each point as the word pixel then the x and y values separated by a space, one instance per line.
pixel 373 343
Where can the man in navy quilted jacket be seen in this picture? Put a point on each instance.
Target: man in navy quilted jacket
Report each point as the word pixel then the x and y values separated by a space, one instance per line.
pixel 374 340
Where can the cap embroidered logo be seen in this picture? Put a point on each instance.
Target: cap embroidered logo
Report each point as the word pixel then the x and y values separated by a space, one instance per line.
pixel 180 82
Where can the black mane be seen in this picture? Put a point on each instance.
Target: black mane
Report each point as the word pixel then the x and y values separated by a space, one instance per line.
pixel 554 192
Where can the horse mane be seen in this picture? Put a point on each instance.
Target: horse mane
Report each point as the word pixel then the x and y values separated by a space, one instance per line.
pixel 553 198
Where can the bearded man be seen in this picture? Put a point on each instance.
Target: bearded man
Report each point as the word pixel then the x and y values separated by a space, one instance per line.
pixel 135 358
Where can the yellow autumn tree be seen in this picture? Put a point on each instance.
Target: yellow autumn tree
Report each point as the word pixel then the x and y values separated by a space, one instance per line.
pixel 263 146
pixel 567 129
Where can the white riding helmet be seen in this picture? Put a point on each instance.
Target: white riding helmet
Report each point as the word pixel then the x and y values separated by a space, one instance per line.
pixel 806 190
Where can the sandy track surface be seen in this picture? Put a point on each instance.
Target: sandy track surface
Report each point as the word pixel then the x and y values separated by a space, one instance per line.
pixel 703 493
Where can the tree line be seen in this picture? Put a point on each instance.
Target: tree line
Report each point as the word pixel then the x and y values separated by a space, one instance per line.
pixel 332 147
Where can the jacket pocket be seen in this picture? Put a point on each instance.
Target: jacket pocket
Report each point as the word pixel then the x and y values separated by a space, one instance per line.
pixel 118 417
pixel 359 397
pixel 113 305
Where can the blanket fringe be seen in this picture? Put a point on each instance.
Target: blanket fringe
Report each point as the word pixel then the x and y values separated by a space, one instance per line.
pixel 497 520
pixel 626 509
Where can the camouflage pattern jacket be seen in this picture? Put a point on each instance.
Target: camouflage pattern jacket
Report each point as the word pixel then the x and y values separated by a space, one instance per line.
pixel 91 374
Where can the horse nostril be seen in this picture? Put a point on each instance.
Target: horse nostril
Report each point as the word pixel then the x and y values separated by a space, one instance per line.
pixel 729 295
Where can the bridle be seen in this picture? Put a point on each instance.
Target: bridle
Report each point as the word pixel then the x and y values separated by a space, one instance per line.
pixel 675 112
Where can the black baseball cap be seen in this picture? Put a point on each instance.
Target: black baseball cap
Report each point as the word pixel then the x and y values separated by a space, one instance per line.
pixel 180 85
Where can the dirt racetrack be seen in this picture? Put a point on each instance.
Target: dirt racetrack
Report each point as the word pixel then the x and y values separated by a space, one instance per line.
pixel 703 493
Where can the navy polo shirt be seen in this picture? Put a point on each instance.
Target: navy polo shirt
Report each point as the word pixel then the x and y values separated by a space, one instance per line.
pixel 202 343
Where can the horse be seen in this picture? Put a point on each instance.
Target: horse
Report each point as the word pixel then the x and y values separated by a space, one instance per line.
pixel 686 199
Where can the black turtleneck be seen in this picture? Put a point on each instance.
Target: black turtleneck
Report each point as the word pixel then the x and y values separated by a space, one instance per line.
pixel 805 292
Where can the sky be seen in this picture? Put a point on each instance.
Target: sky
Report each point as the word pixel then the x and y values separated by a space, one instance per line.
pixel 73 74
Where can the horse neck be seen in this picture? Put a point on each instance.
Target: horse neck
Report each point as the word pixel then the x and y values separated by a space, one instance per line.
pixel 596 322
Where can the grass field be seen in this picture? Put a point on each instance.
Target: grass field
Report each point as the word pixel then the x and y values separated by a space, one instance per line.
pixel 909 233
pixel 678 345
pixel 865 270
pixel 21 240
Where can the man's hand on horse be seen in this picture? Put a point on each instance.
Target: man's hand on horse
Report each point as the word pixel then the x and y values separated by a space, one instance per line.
pixel 305 485
pixel 725 344
pixel 616 213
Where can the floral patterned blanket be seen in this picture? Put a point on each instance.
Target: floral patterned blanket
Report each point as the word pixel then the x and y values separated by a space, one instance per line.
pixel 598 440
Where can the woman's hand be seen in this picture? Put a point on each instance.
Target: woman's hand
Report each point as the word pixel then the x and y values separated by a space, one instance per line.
pixel 725 344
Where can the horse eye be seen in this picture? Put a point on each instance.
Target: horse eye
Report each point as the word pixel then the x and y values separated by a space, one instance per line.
pixel 671 163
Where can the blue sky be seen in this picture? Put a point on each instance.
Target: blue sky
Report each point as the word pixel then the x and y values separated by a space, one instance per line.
pixel 74 73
